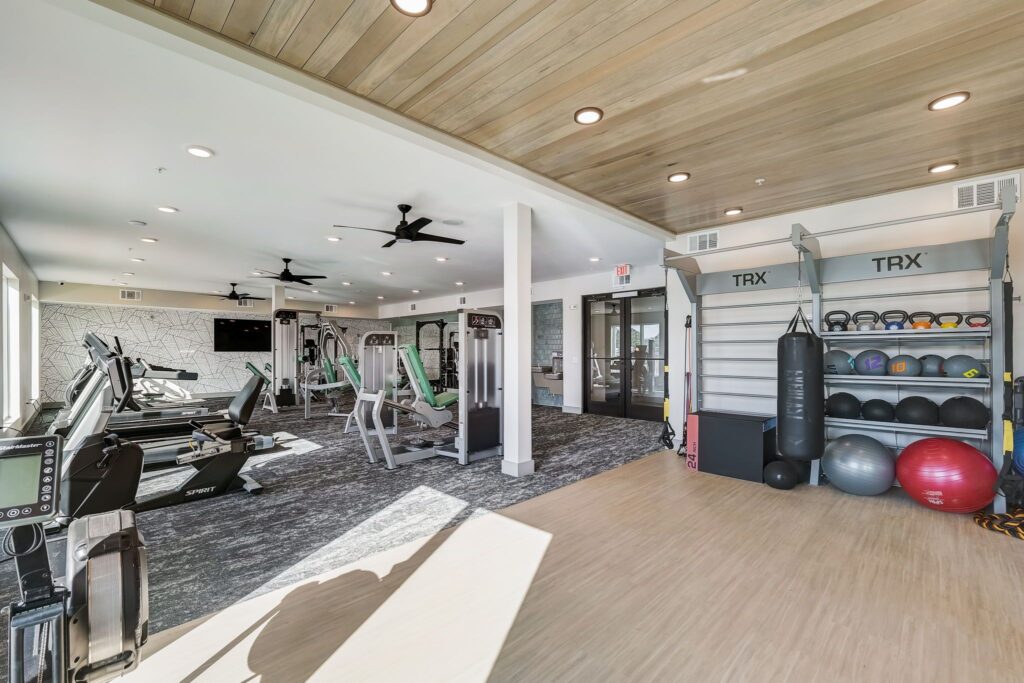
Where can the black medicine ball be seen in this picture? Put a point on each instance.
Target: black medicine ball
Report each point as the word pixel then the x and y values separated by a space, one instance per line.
pixel 964 412
pixel 842 405
pixel 781 474
pixel 917 410
pixel 878 410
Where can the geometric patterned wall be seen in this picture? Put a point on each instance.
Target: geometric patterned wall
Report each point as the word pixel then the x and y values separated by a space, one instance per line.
pixel 163 336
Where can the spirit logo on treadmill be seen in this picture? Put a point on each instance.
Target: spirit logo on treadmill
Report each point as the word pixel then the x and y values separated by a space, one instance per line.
pixel 897 262
pixel 200 492
pixel 750 279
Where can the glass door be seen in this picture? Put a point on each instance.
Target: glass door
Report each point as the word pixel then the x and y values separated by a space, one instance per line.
pixel 625 342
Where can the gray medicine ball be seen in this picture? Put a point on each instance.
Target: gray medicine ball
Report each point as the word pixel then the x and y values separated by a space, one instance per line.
pixel 858 464
pixel 838 363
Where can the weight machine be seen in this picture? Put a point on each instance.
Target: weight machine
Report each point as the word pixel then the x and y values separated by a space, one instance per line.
pixel 447 351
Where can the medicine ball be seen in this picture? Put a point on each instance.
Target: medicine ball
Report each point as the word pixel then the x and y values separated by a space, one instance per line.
pixel 781 474
pixel 878 410
pixel 904 366
pixel 964 366
pixel 871 362
pixel 838 363
pixel 843 405
pixel 931 365
pixel 964 412
pixel 917 410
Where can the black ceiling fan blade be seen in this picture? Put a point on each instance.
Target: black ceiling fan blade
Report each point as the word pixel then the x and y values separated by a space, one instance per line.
pixel 310 277
pixel 272 277
pixel 246 297
pixel 418 224
pixel 436 238
pixel 355 227
pixel 219 296
pixel 388 244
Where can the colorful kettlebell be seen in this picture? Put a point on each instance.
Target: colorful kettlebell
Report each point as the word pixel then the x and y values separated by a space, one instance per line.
pixel 865 320
pixel 836 321
pixel 979 320
pixel 949 324
pixel 895 320
pixel 922 320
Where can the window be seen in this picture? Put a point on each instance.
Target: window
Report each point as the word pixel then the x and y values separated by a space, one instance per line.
pixel 35 349
pixel 11 343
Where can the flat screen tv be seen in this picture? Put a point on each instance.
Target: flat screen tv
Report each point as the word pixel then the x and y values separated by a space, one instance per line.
pixel 248 336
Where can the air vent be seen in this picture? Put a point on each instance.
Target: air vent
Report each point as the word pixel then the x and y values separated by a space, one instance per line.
pixel 462 301
pixel 412 307
pixel 131 295
pixel 987 192
pixel 245 303
pixel 702 241
pixel 330 308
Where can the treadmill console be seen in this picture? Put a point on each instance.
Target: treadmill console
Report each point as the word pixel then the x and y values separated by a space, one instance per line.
pixel 29 479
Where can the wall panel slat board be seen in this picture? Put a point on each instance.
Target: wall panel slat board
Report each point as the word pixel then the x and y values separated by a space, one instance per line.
pixel 826 99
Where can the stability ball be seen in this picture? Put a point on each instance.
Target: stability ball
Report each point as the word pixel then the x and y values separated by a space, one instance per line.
pixel 964 366
pixel 843 405
pixel 904 366
pixel 964 412
pixel 931 365
pixel 946 474
pixel 878 410
pixel 838 363
pixel 871 362
pixel 917 410
pixel 858 464
pixel 781 474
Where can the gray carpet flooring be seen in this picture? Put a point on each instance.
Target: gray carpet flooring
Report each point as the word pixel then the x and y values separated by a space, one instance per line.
pixel 325 505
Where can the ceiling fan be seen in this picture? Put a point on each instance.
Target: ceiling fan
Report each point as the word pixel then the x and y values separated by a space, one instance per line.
pixel 407 232
pixel 288 276
pixel 237 296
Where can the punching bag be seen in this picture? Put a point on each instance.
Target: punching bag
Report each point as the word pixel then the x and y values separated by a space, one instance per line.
pixel 801 392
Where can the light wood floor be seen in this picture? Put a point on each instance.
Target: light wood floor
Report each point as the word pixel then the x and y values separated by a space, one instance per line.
pixel 644 573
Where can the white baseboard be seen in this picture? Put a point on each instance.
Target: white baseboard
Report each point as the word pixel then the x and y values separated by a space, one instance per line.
pixel 517 469
pixel 575 410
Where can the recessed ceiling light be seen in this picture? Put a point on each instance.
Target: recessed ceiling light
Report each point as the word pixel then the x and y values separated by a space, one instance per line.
pixel 167 209
pixel 351 303
pixel 136 259
pixel 149 240
pixel 386 273
pixel 256 272
pixel 123 284
pixel 679 177
pixel 347 284
pixel 595 259
pixel 452 221
pixel 415 291
pixel 137 224
pixel 127 274
pixel 760 181
pixel 459 284
pixel 380 297
pixel 315 291
pixel 440 259
pixel 333 239
pixel 734 211
pixel 201 152
pixel 588 116
pixel 413 8
pixel 290 297
pixel 217 291
pixel 949 101
pixel 943 167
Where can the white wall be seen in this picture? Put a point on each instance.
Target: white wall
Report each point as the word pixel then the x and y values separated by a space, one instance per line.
pixel 29 287
pixel 932 199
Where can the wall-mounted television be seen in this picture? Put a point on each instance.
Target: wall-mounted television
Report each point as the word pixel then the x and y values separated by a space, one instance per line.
pixel 248 336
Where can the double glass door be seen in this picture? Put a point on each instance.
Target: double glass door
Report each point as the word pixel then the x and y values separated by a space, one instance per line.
pixel 624 346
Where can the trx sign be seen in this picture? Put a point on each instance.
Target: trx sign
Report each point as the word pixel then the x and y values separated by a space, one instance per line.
pixel 938 258
pixel 890 263
pixel 747 279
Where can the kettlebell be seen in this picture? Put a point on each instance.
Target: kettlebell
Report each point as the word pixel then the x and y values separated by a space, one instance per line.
pixel 865 320
pixel 836 321
pixel 979 320
pixel 894 320
pixel 949 324
pixel 922 320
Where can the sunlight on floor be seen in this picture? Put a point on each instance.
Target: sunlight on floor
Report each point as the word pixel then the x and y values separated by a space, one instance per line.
pixel 438 608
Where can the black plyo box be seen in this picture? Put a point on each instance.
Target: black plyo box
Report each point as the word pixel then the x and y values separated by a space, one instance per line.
pixel 736 445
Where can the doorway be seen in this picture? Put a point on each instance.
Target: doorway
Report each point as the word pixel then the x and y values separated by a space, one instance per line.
pixel 624 346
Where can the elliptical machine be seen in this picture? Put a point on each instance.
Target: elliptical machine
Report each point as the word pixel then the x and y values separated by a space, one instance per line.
pixel 91 627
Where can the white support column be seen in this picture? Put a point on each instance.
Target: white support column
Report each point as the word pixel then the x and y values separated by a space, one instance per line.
pixel 518 339
pixel 278 300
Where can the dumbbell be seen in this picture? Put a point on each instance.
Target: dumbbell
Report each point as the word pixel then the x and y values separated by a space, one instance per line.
pixel 978 320
pixel 865 320
pixel 922 320
pixel 894 320
pixel 957 318
pixel 836 321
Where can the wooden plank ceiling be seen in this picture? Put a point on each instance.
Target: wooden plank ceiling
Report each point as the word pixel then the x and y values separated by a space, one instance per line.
pixel 825 99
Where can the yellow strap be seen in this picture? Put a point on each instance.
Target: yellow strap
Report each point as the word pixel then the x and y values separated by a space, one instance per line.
pixel 1007 436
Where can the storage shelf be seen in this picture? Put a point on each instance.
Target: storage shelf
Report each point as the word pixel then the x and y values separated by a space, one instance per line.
pixel 903 428
pixel 964 334
pixel 980 383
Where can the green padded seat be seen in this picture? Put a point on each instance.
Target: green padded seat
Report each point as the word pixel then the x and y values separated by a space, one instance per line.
pixel 442 400
pixel 350 369
pixel 256 371
pixel 330 374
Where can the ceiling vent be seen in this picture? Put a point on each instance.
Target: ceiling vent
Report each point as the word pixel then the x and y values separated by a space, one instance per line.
pixel 462 301
pixel 702 241
pixel 412 307
pixel 131 295
pixel 330 308
pixel 987 192
pixel 245 303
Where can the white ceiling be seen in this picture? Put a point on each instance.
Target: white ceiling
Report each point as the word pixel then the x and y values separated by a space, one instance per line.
pixel 90 113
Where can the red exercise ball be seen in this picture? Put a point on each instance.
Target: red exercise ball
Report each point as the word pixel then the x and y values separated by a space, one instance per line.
pixel 947 475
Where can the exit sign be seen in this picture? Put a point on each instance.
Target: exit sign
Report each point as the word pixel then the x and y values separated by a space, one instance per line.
pixel 620 277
